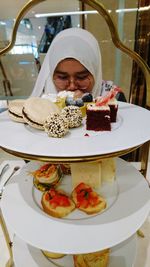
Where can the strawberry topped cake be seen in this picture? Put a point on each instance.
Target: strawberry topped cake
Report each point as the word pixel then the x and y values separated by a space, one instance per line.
pixel 98 117
pixel 102 112
pixel 111 101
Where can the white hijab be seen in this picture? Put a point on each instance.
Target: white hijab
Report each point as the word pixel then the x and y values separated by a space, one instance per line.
pixel 70 43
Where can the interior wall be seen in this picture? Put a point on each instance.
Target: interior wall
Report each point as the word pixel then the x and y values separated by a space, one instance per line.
pixel 116 65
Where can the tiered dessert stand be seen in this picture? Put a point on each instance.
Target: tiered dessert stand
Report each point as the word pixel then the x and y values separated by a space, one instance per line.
pixel 128 197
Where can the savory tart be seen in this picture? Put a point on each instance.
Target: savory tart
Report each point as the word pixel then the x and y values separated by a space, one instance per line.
pixel 46 176
pixel 57 203
pixel 88 200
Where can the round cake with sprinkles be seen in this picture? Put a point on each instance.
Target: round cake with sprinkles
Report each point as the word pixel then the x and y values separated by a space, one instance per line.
pixel 73 114
pixel 56 125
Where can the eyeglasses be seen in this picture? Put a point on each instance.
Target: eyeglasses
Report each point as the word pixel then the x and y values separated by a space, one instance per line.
pixel 64 82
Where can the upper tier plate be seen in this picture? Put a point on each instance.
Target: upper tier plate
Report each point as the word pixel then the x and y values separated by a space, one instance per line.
pixel 131 129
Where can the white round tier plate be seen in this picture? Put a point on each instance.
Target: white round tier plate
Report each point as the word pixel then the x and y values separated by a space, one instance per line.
pixel 131 129
pixel 122 255
pixel 117 223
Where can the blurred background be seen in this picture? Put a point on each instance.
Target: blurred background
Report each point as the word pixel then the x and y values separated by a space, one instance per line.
pixel 19 68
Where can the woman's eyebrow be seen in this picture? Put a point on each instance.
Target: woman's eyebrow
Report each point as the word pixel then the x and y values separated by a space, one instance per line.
pixel 66 73
pixel 60 72
pixel 83 72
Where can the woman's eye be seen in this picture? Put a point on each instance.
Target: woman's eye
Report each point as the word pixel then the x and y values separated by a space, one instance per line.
pixel 82 77
pixel 62 77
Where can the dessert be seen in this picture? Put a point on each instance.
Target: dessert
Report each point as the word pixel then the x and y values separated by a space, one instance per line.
pixel 57 203
pixel 64 94
pixel 73 114
pixel 61 98
pixel 98 117
pixel 46 176
pixel 87 98
pixel 74 98
pixel 95 259
pixel 89 173
pixel 111 101
pixel 56 125
pixel 15 110
pixel 36 110
pixel 88 200
pixel 113 104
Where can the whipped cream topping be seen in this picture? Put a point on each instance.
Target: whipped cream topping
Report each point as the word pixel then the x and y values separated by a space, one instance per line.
pixel 93 106
pixel 113 101
pixel 64 93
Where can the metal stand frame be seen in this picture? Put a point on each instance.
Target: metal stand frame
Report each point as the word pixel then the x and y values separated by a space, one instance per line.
pixel 117 42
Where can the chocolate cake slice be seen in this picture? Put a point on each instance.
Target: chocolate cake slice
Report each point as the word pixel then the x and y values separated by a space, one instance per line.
pixel 98 118
pixel 113 104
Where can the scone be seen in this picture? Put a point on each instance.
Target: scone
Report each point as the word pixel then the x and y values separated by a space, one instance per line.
pixel 57 203
pixel 88 200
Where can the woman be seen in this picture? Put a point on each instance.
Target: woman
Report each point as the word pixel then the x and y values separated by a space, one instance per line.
pixel 73 63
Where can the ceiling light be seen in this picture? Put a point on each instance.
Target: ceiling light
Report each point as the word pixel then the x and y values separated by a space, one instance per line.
pixel 66 13
pixel 133 9
pixel 126 10
pixel 144 8
pixel 2 23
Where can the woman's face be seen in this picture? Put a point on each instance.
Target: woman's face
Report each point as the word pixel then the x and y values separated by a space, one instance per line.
pixel 71 75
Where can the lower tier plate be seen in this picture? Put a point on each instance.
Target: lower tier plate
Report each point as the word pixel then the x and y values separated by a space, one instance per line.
pixel 122 255
pixel 129 208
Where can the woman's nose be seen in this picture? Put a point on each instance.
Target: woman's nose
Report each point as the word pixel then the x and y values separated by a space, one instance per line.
pixel 72 85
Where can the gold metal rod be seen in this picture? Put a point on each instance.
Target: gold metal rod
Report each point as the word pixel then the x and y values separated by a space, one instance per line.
pixel 144 158
pixel 7 239
pixel 117 42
